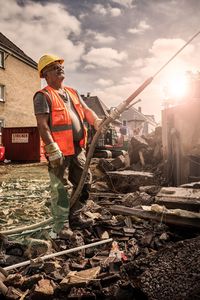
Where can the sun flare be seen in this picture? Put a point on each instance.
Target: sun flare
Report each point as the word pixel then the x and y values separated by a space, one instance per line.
pixel 177 86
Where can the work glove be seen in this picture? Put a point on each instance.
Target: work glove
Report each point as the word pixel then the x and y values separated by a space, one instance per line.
pixel 54 154
pixel 97 123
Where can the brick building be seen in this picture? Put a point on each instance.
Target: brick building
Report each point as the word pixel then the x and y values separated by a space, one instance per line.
pixel 18 82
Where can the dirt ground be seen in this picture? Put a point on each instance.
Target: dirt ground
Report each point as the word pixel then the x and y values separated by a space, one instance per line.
pixel 9 172
pixel 24 193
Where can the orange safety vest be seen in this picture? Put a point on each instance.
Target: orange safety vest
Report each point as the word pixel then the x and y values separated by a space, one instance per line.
pixel 60 121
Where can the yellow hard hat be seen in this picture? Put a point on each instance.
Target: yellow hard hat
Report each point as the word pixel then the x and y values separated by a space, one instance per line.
pixel 47 59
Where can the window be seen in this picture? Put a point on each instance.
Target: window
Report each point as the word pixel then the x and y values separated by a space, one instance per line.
pixel 1 59
pixel 2 93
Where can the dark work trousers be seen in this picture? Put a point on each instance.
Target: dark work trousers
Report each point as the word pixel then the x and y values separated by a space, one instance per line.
pixel 71 169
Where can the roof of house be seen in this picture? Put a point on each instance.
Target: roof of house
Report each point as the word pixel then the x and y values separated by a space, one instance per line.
pixel 12 49
pixel 132 114
pixel 96 105
pixel 99 107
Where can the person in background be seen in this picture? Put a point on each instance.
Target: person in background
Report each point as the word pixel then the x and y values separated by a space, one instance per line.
pixel 61 115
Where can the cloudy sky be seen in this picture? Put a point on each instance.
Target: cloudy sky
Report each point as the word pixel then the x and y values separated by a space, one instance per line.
pixel 110 46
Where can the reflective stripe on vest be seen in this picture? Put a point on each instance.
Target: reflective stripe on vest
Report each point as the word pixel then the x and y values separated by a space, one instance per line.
pixel 61 128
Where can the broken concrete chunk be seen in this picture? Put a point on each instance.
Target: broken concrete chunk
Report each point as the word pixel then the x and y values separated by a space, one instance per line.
pixel 136 199
pixel 3 288
pixel 164 236
pixel 51 266
pixel 179 197
pixel 147 238
pixel 44 288
pixel 102 233
pixel 129 230
pixel 79 266
pixel 82 277
pixel 29 282
pixel 119 162
pixel 128 181
pixel 37 247
pixel 14 279
pixel 2 277
pixel 150 189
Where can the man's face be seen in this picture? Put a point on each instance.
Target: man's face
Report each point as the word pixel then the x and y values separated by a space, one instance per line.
pixel 54 71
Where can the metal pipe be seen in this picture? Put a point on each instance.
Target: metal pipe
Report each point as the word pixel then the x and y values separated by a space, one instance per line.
pixel 25 263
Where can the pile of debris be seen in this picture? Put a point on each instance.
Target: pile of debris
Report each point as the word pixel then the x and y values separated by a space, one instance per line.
pixel 146 154
pixel 141 256
pixel 141 241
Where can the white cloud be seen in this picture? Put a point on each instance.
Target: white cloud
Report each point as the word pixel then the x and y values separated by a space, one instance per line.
pixel 162 50
pixel 39 29
pixel 89 67
pixel 138 63
pixel 104 39
pixel 143 25
pixel 125 3
pixel 104 82
pixel 83 16
pixel 170 46
pixel 100 38
pixel 100 9
pixel 106 10
pixel 105 57
pixel 115 12
pixel 115 94
pixel 130 80
pixel 141 28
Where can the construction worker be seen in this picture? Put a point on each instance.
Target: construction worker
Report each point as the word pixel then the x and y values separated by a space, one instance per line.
pixel 60 113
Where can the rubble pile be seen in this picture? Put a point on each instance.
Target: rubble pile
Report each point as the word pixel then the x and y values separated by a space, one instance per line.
pixel 145 154
pixel 143 256
pixel 142 165
pixel 172 273
pixel 121 178
pixel 129 265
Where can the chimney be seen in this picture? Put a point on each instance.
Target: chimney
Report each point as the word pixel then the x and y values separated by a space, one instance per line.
pixel 88 94
pixel 140 109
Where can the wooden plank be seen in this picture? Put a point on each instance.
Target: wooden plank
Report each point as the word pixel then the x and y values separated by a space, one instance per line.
pixel 76 278
pixel 126 173
pixel 165 217
pixel 106 195
pixel 177 197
